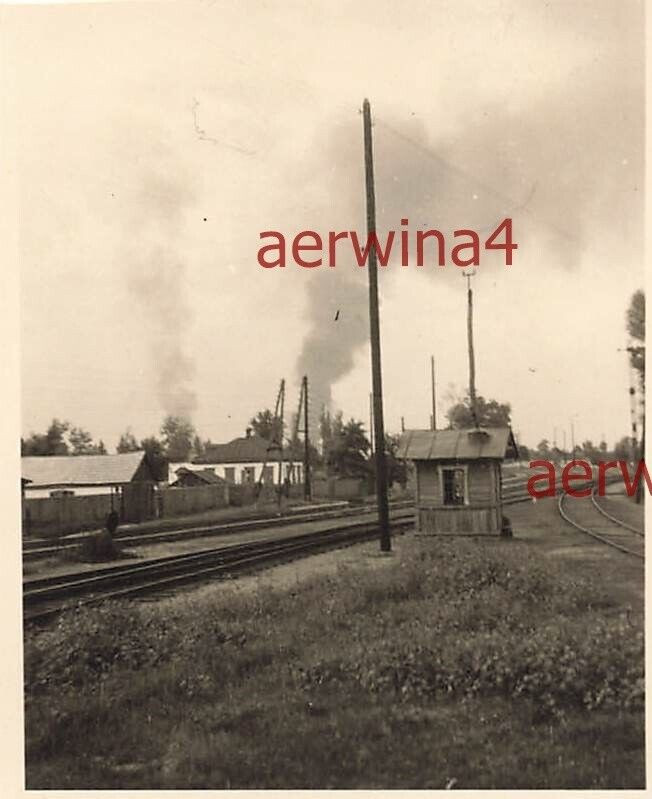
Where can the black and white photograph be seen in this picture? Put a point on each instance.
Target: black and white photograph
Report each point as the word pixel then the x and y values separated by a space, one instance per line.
pixel 328 466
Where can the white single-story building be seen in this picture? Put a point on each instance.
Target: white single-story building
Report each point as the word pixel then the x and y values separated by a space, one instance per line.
pixel 79 475
pixel 243 460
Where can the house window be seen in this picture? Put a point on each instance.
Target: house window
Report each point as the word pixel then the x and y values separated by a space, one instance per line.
pixel 454 482
pixel 248 474
pixel 268 475
pixel 229 474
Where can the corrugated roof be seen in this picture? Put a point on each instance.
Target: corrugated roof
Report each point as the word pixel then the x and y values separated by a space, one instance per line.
pixel 251 449
pixel 486 442
pixel 79 470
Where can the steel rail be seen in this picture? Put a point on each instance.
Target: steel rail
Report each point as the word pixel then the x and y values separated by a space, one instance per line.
pixel 613 519
pixel 205 531
pixel 172 571
pixel 592 533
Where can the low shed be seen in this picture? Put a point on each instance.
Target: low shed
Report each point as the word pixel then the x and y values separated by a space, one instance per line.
pixel 193 478
pixel 458 478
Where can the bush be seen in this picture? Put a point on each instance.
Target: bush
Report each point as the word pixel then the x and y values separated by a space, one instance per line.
pixel 96 547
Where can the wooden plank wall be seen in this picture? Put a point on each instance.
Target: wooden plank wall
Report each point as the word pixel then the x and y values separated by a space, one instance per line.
pixel 458 520
pixel 482 483
pixel 483 514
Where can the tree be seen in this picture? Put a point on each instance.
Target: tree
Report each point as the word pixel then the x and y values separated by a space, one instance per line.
pixel 623 449
pixel 524 452
pixel 55 437
pixel 490 413
pixel 266 425
pixel 152 446
pixel 127 442
pixel 155 453
pixel 50 443
pixel 177 433
pixel 636 329
pixel 348 454
pixel 330 428
pixel 396 469
pixel 198 447
pixel 53 442
pixel 588 451
pixel 543 449
pixel 81 442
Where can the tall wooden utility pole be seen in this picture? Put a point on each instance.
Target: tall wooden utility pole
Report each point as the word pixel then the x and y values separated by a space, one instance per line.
pixel 374 324
pixel 371 421
pixel 306 442
pixel 636 453
pixel 640 494
pixel 280 403
pixel 469 328
pixel 432 387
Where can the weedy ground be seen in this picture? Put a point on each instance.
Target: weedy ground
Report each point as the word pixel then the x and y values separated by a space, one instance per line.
pixel 460 663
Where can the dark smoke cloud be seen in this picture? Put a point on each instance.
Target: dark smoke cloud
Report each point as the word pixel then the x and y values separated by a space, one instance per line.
pixel 338 327
pixel 155 275
pixel 563 169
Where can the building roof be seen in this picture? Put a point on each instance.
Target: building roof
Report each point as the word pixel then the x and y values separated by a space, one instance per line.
pixel 208 476
pixel 459 445
pixel 80 470
pixel 248 449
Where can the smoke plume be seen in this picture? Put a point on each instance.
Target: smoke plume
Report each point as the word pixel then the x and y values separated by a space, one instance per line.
pixel 156 277
pixel 556 167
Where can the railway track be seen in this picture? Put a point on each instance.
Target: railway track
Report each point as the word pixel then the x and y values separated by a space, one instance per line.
pixel 46 597
pixel 40 548
pixel 593 520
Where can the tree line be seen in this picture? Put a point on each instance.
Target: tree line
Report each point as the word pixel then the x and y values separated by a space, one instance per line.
pixel 345 447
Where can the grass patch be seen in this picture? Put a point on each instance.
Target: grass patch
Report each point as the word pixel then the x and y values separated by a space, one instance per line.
pixel 467 663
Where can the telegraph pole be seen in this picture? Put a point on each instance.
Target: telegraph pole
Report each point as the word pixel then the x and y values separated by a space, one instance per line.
pixel 636 453
pixel 469 329
pixel 640 495
pixel 306 442
pixel 374 325
pixel 432 386
pixel 281 404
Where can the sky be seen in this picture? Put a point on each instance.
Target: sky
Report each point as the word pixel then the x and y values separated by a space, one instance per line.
pixel 156 141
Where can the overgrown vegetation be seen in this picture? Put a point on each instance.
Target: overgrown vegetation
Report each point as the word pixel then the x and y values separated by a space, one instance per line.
pixel 464 663
pixel 95 547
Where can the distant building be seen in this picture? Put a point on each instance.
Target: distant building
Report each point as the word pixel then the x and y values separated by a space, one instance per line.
pixel 192 478
pixel 76 475
pixel 244 460
pixel 458 478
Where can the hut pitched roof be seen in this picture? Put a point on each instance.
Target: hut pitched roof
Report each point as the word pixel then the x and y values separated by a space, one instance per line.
pixel 457 445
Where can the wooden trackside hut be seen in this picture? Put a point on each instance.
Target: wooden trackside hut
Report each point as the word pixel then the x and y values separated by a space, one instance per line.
pixel 458 478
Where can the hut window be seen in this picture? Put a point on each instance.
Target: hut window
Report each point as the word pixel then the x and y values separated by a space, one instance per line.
pixel 454 483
